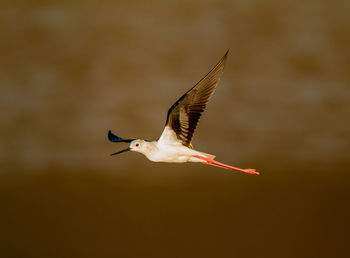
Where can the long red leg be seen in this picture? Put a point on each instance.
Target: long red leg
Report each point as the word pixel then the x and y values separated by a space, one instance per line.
pixel 211 162
pixel 214 165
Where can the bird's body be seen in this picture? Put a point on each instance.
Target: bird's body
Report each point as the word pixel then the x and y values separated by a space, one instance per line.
pixel 171 153
pixel 174 145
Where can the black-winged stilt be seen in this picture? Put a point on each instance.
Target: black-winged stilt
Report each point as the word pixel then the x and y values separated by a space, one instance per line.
pixel 174 145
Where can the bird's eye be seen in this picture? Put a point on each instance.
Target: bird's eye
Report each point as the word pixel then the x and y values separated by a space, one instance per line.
pixel 137 145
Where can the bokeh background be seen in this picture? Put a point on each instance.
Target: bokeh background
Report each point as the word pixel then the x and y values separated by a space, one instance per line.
pixel 71 70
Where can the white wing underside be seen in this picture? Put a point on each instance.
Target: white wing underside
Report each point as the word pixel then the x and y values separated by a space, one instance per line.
pixel 169 137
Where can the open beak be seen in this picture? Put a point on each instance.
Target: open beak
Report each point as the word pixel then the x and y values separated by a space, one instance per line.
pixel 120 151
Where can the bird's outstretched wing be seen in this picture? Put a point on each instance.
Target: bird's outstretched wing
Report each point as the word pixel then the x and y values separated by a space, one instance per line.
pixel 114 138
pixel 184 115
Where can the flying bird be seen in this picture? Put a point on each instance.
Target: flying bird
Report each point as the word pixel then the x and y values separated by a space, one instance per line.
pixel 174 144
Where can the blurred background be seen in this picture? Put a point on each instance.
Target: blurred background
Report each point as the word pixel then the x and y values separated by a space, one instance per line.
pixel 72 70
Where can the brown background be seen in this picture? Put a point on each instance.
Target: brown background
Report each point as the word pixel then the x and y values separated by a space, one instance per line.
pixel 69 71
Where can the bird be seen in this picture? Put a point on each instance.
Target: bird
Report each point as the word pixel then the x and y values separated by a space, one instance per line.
pixel 175 143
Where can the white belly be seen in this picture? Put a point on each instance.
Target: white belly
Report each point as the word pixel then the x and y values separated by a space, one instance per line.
pixel 173 153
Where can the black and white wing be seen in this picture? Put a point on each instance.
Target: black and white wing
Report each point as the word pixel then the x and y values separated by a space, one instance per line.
pixel 184 115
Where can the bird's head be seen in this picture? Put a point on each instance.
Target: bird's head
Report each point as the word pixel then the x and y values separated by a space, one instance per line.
pixel 137 145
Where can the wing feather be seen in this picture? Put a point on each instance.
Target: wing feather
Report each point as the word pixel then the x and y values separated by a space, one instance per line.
pixel 184 115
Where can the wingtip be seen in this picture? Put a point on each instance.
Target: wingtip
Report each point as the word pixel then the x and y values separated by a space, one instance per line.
pixel 110 136
pixel 113 138
pixel 226 54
